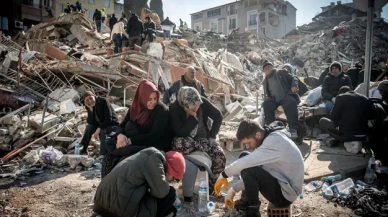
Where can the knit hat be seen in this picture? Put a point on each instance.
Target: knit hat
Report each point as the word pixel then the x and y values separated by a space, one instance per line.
pixel 383 86
pixel 266 63
pixel 176 165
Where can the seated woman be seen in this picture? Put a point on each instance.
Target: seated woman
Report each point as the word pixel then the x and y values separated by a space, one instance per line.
pixel 139 185
pixel 188 117
pixel 145 125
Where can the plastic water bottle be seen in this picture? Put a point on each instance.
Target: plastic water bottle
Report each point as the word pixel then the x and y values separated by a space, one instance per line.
pixel 202 201
pixel 325 186
pixel 337 188
pixel 76 148
pixel 178 205
pixel 331 179
pixel 370 175
pixel 312 186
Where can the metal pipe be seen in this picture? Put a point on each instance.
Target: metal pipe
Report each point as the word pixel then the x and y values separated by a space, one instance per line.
pixel 44 113
pixel 368 47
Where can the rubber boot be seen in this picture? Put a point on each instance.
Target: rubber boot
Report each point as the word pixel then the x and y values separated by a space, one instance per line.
pixel 253 211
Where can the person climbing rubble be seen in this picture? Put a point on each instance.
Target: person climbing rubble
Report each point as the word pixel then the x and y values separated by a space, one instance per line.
pixel 275 169
pixel 149 29
pixel 103 15
pixel 140 185
pixel 113 21
pixel 97 18
pixel 134 30
pixel 302 86
pixel 187 80
pixel 348 121
pixel 101 121
pixel 118 35
pixel 332 83
pixel 281 88
pixel 167 26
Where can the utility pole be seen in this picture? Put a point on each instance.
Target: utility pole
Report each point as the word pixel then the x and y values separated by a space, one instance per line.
pixel 368 47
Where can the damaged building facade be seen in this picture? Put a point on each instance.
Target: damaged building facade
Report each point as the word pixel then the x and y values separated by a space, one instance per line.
pixel 270 18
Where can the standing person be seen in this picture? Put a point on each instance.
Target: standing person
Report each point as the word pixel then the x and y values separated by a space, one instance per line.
pixel 101 121
pixel 353 74
pixel 187 80
pixel 145 125
pixel 180 23
pixel 349 116
pixel 112 21
pixel 118 34
pixel 188 117
pixel 78 6
pixel 185 26
pixel 332 83
pixel 281 88
pixel 134 30
pixel 103 15
pixel 139 185
pixel 97 18
pixel 167 26
pixel 275 169
pixel 149 29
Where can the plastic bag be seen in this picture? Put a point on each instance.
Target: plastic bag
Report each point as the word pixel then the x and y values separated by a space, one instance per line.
pixel 314 96
pixel 353 147
pixel 50 155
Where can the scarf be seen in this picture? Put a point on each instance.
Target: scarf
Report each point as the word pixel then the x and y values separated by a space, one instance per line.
pixel 139 112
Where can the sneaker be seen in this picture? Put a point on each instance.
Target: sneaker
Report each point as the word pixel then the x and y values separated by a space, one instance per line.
pixel 252 211
pixel 294 134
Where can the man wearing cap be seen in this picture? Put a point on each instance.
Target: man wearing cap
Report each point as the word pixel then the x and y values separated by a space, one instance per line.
pixel 348 121
pixel 139 185
pixel 101 120
pixel 281 88
pixel 332 83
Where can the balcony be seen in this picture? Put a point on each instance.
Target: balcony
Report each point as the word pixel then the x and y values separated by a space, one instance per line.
pixel 252 23
pixel 34 12
pixel 232 27
pixel 232 12
pixel 31 10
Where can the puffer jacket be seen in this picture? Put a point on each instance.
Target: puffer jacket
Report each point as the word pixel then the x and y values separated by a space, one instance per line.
pixel 332 84
pixel 124 191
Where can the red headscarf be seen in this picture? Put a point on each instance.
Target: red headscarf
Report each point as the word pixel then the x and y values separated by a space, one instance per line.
pixel 139 111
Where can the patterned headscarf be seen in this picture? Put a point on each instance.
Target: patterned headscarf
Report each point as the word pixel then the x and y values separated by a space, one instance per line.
pixel 188 96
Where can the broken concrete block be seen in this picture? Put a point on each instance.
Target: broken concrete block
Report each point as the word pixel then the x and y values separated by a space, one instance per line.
pixel 155 49
pixel 61 95
pixel 3 131
pixel 31 158
pixel 81 33
pixel 49 121
pixel 67 107
pixel 5 147
pixel 236 112
pixel 11 120
pixel 353 147
pixel 87 162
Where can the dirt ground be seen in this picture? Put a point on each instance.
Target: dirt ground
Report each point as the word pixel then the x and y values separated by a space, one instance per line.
pixel 64 194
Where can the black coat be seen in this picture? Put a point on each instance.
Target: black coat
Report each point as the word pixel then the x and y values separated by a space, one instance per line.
pixel 97 15
pixel 182 83
pixel 351 112
pixel 323 76
pixel 156 132
pixel 104 112
pixel 286 81
pixel 112 22
pixel 182 124
pixel 134 27
pixel 373 76
pixel 149 28
pixel 332 84
pixel 167 22
pixel 353 74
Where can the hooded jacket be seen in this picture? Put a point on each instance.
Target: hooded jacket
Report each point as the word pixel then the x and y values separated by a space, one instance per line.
pixel 280 157
pixel 331 84
pixel 182 83
pixel 286 81
pixel 134 27
pixel 102 115
pixel 123 192
pixel 112 21
pixel 97 15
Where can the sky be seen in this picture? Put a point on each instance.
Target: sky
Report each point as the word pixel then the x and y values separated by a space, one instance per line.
pixel 306 9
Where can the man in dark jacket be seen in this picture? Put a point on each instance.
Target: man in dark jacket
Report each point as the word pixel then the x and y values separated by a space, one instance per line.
pixel 134 30
pixel 281 88
pixel 301 86
pixel 101 120
pixel 139 185
pixel 167 26
pixel 353 74
pixel 149 29
pixel 112 21
pixel 350 115
pixel 97 17
pixel 187 80
pixel 374 75
pixel 332 83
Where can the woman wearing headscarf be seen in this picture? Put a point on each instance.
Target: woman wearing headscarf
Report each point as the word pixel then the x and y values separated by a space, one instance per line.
pixel 188 117
pixel 145 125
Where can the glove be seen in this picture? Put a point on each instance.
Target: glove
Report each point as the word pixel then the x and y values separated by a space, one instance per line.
pixel 229 202
pixel 221 181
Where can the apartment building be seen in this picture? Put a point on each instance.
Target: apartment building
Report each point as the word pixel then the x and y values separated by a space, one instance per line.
pixel 17 15
pixel 270 18
pixel 118 9
pixel 89 5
